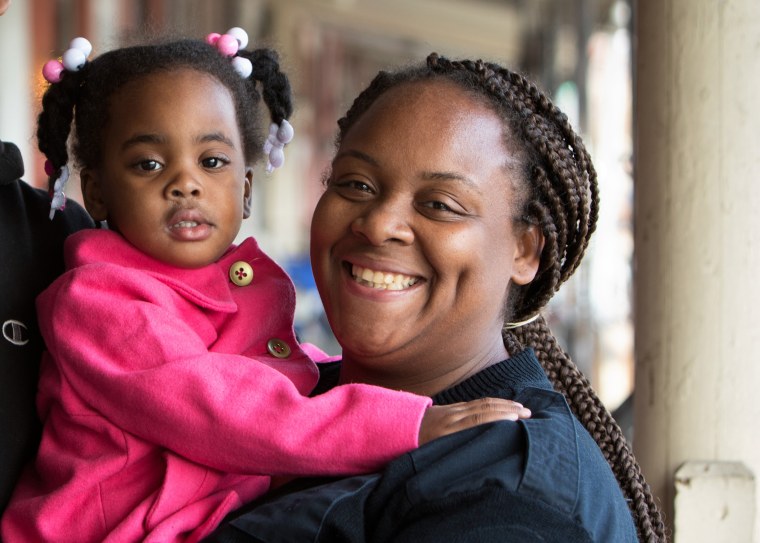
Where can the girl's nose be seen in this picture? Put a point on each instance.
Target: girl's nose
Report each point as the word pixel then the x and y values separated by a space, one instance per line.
pixel 184 185
pixel 384 222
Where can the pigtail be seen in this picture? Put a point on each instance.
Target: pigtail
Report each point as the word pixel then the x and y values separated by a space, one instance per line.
pixel 55 120
pixel 275 86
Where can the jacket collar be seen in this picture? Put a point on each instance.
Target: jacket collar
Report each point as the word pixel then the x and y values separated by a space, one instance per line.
pixel 207 287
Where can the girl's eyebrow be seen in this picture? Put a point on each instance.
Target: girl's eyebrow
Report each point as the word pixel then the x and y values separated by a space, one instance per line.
pixel 142 138
pixel 215 136
pixel 159 139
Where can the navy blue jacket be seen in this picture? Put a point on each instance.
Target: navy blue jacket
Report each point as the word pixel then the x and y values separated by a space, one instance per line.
pixel 541 479
pixel 31 256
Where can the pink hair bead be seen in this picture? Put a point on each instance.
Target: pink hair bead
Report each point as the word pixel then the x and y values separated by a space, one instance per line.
pixel 227 45
pixel 49 169
pixel 52 70
pixel 212 38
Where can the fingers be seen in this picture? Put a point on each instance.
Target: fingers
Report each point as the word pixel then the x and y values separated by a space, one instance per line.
pixel 467 414
pixel 442 420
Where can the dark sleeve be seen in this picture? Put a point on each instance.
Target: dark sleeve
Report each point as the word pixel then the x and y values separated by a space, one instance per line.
pixel 31 253
pixel 460 488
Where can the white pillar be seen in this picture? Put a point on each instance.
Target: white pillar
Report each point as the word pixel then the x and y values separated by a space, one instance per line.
pixel 17 90
pixel 697 237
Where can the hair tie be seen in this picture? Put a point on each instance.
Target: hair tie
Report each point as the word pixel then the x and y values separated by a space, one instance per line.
pixel 72 60
pixel 58 198
pixel 274 146
pixel 512 325
pixel 229 44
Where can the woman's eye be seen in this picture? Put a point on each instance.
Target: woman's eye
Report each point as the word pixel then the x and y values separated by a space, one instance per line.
pixel 359 185
pixel 351 188
pixel 213 162
pixel 438 206
pixel 353 184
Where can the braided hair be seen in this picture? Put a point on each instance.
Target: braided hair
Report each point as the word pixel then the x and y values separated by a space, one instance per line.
pixel 557 192
pixel 83 96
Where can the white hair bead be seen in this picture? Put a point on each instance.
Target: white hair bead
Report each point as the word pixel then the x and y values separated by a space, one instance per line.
pixel 83 44
pixel 240 35
pixel 242 66
pixel 74 59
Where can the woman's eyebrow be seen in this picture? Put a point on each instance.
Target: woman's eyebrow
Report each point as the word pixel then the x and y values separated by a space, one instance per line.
pixel 451 176
pixel 357 154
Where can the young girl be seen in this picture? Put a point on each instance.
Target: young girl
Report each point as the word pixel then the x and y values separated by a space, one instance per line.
pixel 173 385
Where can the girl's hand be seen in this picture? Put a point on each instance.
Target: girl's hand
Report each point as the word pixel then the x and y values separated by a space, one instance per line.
pixel 441 420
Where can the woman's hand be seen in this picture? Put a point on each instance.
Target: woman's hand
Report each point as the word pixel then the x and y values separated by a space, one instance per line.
pixel 441 420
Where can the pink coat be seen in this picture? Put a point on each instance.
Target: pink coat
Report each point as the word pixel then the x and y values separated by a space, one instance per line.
pixel 163 408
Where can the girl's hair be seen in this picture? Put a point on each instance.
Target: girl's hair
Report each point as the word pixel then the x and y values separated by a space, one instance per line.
pixel 556 191
pixel 83 96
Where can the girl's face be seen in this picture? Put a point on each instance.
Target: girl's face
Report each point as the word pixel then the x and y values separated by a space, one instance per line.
pixel 413 245
pixel 173 179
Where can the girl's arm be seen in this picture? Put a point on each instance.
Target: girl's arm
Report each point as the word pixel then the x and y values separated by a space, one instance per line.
pixel 141 367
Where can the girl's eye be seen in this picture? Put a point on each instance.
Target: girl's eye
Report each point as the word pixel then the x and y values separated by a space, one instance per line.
pixel 213 162
pixel 148 165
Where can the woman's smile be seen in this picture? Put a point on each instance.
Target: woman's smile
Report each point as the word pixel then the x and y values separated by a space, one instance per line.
pixel 381 280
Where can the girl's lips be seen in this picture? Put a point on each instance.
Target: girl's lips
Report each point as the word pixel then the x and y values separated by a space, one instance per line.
pixel 189 225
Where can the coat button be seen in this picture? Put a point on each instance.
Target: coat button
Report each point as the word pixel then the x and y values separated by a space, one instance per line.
pixel 278 348
pixel 241 273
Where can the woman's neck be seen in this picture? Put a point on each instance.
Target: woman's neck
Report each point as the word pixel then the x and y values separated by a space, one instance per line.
pixel 424 374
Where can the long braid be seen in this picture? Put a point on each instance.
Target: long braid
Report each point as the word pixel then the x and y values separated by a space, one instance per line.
pixel 561 198
pixel 569 380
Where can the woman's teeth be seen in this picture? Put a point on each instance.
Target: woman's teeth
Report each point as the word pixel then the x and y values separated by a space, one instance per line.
pixel 381 280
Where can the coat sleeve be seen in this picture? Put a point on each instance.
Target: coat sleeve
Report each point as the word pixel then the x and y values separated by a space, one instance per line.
pixel 123 353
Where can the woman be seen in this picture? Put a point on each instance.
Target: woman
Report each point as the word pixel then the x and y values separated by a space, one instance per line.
pixel 459 201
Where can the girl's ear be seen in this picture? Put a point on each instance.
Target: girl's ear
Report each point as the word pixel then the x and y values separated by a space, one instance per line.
pixel 93 195
pixel 530 244
pixel 248 193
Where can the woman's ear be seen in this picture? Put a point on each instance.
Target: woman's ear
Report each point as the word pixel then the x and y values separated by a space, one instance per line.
pixel 530 245
pixel 93 195
pixel 248 193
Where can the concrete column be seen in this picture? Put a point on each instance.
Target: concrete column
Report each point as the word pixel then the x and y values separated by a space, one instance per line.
pixel 17 91
pixel 697 237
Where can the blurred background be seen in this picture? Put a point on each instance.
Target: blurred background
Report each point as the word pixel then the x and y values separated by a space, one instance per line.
pixel 577 50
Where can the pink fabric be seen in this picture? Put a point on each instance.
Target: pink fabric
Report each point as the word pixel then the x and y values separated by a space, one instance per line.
pixel 163 410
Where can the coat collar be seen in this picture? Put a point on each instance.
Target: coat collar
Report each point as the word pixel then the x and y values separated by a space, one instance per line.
pixel 207 287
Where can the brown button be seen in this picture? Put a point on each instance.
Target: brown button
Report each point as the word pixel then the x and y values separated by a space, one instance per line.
pixel 278 348
pixel 241 273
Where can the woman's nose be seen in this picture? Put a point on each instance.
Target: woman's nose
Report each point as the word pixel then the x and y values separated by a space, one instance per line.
pixel 384 222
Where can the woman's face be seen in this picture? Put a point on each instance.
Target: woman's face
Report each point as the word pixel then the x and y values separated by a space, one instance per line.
pixel 412 243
